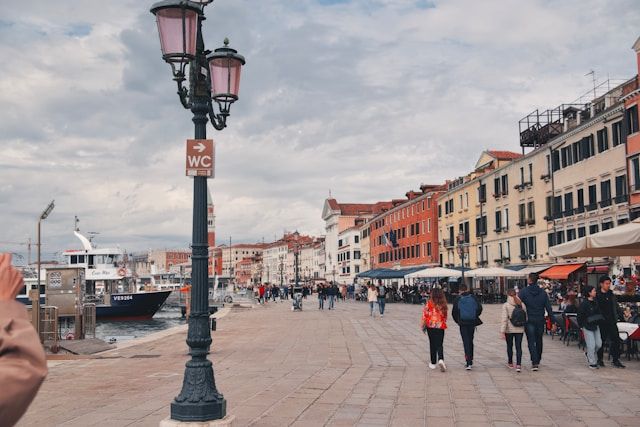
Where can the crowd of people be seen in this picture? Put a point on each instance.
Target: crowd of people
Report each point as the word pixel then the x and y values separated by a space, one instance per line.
pixel 525 313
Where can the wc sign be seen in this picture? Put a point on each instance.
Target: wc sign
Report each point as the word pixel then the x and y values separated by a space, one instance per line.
pixel 200 157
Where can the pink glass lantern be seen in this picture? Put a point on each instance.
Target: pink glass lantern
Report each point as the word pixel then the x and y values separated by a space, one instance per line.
pixel 225 65
pixel 178 29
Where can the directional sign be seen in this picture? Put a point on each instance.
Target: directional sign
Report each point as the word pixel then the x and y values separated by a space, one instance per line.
pixel 200 157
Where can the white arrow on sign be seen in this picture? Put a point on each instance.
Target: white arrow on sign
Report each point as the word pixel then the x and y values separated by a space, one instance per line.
pixel 200 147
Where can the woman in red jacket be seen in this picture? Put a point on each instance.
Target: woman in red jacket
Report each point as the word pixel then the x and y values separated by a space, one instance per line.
pixel 434 322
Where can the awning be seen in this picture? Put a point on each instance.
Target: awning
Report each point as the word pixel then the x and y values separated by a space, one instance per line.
pixel 492 272
pixel 387 273
pixel 435 272
pixel 561 271
pixel 533 269
pixel 623 240
pixel 604 269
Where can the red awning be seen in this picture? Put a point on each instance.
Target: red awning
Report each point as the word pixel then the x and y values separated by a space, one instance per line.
pixel 560 271
pixel 604 269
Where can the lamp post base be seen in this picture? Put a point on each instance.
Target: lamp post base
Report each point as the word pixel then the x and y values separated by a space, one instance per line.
pixel 224 422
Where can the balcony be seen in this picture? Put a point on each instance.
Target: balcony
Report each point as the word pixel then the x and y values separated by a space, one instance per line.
pixel 448 243
pixel 592 206
pixel 604 203
pixel 557 215
pixel 568 212
pixel 623 198
pixel 579 210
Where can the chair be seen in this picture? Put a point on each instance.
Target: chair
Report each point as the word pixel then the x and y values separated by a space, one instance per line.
pixel 572 331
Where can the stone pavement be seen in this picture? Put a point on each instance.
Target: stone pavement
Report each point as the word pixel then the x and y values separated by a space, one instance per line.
pixel 341 368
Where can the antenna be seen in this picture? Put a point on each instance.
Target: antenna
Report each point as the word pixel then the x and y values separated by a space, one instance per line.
pixel 76 221
pixel 593 79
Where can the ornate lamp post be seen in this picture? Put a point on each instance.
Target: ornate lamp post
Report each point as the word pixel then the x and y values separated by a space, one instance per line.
pixel 213 85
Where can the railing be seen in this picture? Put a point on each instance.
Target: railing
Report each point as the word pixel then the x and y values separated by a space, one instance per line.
pixel 568 212
pixel 89 320
pixel 592 206
pixel 448 243
pixel 49 325
pixel 604 203
pixel 622 198
pixel 579 210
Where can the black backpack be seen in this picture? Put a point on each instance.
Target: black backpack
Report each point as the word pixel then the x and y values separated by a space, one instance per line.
pixel 518 316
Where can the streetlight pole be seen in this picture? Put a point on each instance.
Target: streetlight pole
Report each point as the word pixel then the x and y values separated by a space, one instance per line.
pixel 461 251
pixel 43 216
pixel 212 77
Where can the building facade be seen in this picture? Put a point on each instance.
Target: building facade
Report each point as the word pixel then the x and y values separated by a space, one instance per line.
pixel 631 99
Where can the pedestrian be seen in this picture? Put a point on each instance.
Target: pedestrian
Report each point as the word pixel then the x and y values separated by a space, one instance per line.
pixel 331 293
pixel 372 297
pixel 434 323
pixel 261 293
pixel 589 319
pixel 343 292
pixel 382 294
pixel 321 297
pixel 536 302
pixel 513 319
pixel 466 313
pixel 23 365
pixel 611 312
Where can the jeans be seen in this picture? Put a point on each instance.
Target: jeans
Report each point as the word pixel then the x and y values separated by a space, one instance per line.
pixel 518 341
pixel 535 331
pixel 371 304
pixel 609 332
pixel 331 301
pixel 436 337
pixel 381 304
pixel 321 302
pixel 467 332
pixel 593 342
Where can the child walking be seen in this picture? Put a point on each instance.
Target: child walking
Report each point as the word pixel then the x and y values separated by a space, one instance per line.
pixel 434 322
pixel 512 324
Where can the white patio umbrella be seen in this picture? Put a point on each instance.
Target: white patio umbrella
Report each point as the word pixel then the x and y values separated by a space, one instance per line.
pixel 491 272
pixel 434 272
pixel 619 241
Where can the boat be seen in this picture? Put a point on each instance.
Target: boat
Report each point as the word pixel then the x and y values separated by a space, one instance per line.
pixel 110 285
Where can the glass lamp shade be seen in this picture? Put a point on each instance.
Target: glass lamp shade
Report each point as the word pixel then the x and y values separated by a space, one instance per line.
pixel 178 29
pixel 225 65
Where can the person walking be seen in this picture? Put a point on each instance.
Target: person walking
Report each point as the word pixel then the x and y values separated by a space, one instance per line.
pixel 382 294
pixel 275 292
pixel 261 292
pixel 466 313
pixel 512 322
pixel 536 302
pixel 434 323
pixel 589 319
pixel 610 310
pixel 331 293
pixel 23 365
pixel 321 295
pixel 372 297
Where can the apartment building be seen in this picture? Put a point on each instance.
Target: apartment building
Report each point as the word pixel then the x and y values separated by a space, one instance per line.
pixel 349 256
pixel 631 99
pixel 407 234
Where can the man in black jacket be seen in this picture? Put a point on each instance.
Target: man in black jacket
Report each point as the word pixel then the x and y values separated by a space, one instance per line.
pixel 536 302
pixel 466 313
pixel 608 328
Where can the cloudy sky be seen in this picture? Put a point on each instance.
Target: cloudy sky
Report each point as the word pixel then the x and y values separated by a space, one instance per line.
pixel 364 98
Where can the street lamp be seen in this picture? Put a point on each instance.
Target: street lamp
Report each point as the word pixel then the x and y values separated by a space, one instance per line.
pixel 43 216
pixel 213 77
pixel 461 250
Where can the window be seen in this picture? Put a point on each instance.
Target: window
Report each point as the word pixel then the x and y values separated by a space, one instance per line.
pixel 356 239
pixel 498 221
pixel 439 211
pixel 557 207
pixel 567 159
pixel 549 207
pixel 580 194
pixel 505 221
pixel 607 224
pixel 593 198
pixel 560 237
pixel 617 135
pixel 429 225
pixel 356 254
pixel 505 184
pixel 522 175
pixel 555 160
pixel 496 187
pixel 532 247
pixel 582 231
pixel 428 248
pixel 466 200
pixel 523 248
pixel 568 204
pixel 482 193
pixel 571 234
pixel 481 226
pixel 411 233
pixel 428 203
pixel 603 140
pixel 631 118
pixel 530 173
pixel 418 228
pixel 521 214
pixel 605 193
pixel 531 214
pixel 621 189
pixel 593 228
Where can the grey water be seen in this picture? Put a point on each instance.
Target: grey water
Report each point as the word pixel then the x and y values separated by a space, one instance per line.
pixel 128 330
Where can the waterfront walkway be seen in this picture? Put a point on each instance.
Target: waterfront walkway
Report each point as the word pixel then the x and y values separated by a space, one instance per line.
pixel 277 368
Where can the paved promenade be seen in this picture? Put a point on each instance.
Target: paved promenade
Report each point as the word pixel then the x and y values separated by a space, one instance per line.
pixel 341 368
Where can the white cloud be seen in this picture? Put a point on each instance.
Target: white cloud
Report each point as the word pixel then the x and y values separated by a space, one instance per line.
pixel 365 98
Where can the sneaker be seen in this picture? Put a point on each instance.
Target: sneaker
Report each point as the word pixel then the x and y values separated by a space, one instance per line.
pixel 443 367
pixel 601 363
pixel 382 315
pixel 468 367
pixel 618 364
pixel 518 368
pixel 593 366
pixel 510 365
pixel 534 368
pixel 432 366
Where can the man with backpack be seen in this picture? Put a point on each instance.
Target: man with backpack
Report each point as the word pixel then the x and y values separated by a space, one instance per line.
pixel 536 302
pixel 466 313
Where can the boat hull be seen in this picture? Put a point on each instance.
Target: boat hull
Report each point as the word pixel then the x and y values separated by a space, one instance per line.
pixel 134 306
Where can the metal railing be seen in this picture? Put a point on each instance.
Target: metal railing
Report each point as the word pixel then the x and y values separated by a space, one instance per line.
pixel 49 325
pixel 89 320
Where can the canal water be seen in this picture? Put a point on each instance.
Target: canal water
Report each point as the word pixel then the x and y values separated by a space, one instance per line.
pixel 125 331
